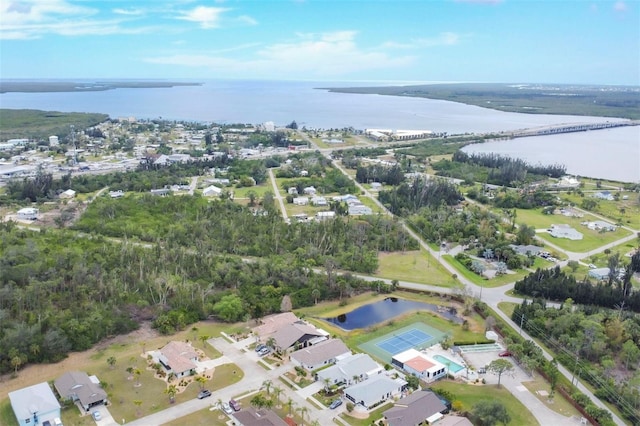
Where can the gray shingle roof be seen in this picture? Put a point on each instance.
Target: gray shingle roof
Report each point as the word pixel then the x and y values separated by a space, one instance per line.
pixel 320 352
pixel 414 409
pixel 78 384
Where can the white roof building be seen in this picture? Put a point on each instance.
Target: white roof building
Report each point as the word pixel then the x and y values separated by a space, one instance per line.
pixel 211 191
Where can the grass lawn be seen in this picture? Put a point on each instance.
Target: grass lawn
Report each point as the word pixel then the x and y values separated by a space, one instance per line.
pixel 559 404
pixel 601 259
pixel 469 395
pixel 622 211
pixel 373 416
pixel 260 190
pixel 415 266
pixel 591 239
pixel 507 307
pixel 202 418
pixel 497 281
pixel 127 351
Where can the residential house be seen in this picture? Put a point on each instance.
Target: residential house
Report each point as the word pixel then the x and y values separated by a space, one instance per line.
pixel 604 195
pixel 420 365
pixel 68 194
pixel 78 387
pixel 212 191
pixel 319 201
pixel 116 194
pixel 359 209
pixel 272 323
pixel 178 358
pixel 375 391
pixel 28 213
pixel 300 201
pixel 262 417
pixel 35 405
pixel 600 225
pixel 564 231
pixel 346 198
pixel 526 250
pixel 376 186
pixel 304 173
pixel 320 354
pixel 599 274
pixel 454 421
pixel 163 192
pixel 292 191
pixel 309 190
pixel 325 215
pixel 415 409
pixel 298 335
pixel 350 370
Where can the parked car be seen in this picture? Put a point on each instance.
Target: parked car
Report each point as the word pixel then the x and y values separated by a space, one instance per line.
pixel 96 415
pixel 335 404
pixel 234 404
pixel 260 347
pixel 504 353
pixel 227 408
pixel 204 394
pixel 264 351
pixel 482 370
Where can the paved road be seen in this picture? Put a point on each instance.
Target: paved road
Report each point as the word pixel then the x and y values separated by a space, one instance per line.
pixel 278 195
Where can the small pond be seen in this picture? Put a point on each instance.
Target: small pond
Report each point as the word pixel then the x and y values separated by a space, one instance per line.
pixel 391 307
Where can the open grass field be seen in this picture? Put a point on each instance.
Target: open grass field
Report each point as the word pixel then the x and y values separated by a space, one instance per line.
pixel 121 390
pixel 415 266
pixel 559 404
pixel 591 239
pixel 626 212
pixel 470 395
pixel 260 190
pixel 496 281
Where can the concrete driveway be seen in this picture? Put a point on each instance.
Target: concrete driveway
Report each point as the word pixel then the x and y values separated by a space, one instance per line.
pixel 106 419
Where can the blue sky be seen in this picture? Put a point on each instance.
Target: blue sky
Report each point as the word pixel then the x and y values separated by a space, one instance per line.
pixel 571 41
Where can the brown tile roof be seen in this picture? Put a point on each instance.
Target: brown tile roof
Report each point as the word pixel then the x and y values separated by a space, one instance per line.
pixel 272 323
pixel 419 364
pixel 179 356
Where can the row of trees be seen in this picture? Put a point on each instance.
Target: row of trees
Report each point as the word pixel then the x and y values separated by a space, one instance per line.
pixel 511 166
pixel 612 293
pixel 390 175
pixel 408 198
pixel 60 291
pixel 601 346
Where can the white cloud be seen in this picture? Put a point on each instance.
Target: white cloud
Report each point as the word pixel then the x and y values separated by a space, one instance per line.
pixel 128 12
pixel 442 39
pixel 309 55
pixel 620 6
pixel 207 17
pixel 247 20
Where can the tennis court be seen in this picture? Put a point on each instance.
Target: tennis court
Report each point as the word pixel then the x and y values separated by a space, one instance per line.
pixel 417 335
pixel 403 341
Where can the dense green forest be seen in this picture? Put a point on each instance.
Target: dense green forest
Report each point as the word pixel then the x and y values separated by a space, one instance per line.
pixel 61 290
pixel 602 346
pixel 408 198
pixel 35 124
pixel 603 101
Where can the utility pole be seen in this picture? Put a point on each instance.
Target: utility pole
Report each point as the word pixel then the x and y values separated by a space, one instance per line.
pixel 73 141
pixel 521 322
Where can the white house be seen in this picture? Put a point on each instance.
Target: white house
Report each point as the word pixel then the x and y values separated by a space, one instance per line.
pixel 68 194
pixel 292 191
pixel 375 390
pixel 309 190
pixel 325 215
pixel 319 201
pixel 35 405
pixel 564 231
pixel 320 354
pixel 351 369
pixel 604 195
pixel 359 209
pixel 418 364
pixel 600 225
pixel 28 213
pixel 301 201
pixel 116 194
pixel 211 191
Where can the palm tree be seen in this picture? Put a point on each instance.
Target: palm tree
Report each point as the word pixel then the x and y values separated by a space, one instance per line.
pixel 266 385
pixel 290 405
pixel 277 391
pixel 112 362
pixel 271 342
pixel 303 411
pixel 203 339
pixel 137 373
pixel 172 390
pixel 327 382
pixel 315 293
pixel 201 381
pixel 137 403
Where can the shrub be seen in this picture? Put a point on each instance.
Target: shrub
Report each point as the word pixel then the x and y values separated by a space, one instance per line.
pixel 350 406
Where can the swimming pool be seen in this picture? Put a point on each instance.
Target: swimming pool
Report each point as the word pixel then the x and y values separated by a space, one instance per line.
pixel 454 367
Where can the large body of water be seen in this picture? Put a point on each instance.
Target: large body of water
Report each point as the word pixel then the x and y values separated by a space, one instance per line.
pixel 236 101
pixel 611 153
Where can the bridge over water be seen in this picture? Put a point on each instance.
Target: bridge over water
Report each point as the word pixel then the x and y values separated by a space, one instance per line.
pixel 570 128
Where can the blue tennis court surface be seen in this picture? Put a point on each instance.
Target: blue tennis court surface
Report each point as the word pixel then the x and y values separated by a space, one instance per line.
pixel 403 341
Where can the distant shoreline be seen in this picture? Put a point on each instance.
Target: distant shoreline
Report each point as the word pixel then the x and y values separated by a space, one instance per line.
pixel 554 99
pixel 34 86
